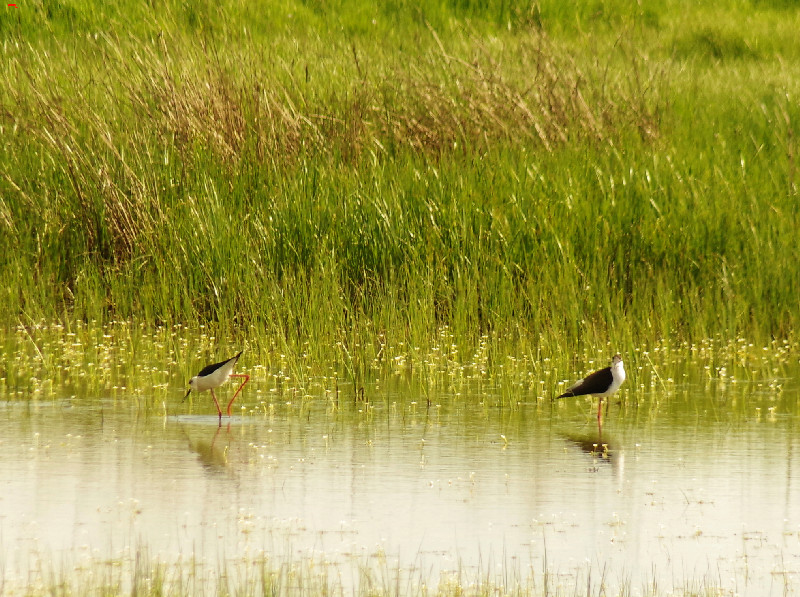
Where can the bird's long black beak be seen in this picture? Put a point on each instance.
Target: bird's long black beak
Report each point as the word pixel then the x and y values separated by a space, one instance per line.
pixel 187 394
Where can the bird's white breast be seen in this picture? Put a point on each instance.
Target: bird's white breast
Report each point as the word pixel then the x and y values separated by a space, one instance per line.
pixel 215 379
pixel 617 377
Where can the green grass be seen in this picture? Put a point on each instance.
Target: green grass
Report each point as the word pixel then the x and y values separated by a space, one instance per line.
pixel 551 176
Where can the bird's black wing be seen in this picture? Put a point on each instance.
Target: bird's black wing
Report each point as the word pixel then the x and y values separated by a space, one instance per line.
pixel 211 368
pixel 596 383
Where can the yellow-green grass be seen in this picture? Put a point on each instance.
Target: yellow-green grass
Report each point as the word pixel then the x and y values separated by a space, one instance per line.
pixel 140 574
pixel 127 366
pixel 550 176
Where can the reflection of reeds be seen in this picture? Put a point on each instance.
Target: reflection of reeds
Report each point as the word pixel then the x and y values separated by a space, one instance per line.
pixel 520 187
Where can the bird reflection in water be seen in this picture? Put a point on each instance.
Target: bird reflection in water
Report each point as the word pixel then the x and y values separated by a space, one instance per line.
pixel 604 451
pixel 213 456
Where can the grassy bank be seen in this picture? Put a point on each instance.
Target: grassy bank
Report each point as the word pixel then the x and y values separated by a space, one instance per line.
pixel 541 175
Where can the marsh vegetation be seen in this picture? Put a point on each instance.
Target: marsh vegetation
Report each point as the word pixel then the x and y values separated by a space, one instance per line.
pixel 438 209
pixel 315 176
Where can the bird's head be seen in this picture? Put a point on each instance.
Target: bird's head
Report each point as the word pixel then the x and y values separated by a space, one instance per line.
pixel 616 361
pixel 192 384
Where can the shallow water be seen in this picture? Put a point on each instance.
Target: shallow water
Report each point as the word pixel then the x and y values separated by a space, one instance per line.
pixel 687 486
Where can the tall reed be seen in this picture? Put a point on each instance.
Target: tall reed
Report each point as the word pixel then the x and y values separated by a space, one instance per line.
pixel 493 171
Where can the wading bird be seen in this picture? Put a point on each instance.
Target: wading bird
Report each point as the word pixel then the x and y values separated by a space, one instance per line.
pixel 600 383
pixel 214 376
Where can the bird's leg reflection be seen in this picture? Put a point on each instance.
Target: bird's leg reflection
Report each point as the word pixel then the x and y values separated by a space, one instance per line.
pixel 211 457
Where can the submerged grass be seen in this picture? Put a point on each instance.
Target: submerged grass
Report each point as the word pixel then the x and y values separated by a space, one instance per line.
pixel 135 571
pixel 122 365
pixel 324 181
pixel 140 574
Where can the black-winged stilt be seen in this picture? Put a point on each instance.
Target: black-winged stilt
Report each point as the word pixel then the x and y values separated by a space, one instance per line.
pixel 600 383
pixel 214 376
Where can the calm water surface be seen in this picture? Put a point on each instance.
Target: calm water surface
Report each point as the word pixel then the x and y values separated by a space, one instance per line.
pixel 692 486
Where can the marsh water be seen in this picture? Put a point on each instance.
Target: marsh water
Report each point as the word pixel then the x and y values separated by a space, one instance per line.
pixel 691 484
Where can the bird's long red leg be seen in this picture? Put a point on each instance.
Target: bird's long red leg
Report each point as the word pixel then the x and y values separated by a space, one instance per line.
pixel 246 379
pixel 599 409
pixel 219 411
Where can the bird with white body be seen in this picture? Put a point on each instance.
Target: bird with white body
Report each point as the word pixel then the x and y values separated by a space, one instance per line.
pixel 600 384
pixel 213 376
